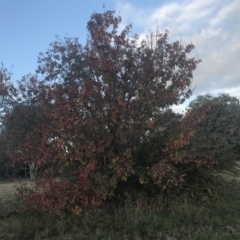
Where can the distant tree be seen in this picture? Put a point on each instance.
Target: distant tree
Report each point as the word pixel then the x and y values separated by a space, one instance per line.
pixel 7 101
pixel 4 161
pixel 8 93
pixel 19 130
pixel 218 135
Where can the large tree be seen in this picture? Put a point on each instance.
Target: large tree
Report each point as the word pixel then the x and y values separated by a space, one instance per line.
pixel 102 103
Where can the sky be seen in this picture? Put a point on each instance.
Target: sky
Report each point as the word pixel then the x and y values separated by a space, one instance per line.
pixel 27 27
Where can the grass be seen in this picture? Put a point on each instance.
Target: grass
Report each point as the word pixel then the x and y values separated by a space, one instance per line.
pixel 8 197
pixel 215 219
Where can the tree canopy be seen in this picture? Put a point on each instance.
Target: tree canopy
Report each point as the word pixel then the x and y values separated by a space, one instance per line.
pixel 104 119
pixel 219 132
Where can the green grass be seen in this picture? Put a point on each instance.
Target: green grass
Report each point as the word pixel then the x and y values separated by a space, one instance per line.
pixel 213 219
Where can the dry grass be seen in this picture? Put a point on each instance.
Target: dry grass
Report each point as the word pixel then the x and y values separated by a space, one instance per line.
pixel 8 195
pixel 228 177
pixel 8 188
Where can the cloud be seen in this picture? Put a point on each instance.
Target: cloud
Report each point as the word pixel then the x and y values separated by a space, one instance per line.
pixel 213 26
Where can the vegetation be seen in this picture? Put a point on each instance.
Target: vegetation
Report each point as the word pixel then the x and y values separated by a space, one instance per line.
pixel 107 154
pixel 184 219
pixel 219 132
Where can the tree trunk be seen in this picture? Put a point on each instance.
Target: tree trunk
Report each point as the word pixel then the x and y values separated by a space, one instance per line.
pixel 33 170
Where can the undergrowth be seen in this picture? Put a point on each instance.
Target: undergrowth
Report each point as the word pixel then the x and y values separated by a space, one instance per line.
pixel 183 218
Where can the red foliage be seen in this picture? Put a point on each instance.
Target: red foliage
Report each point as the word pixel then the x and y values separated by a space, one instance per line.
pixel 97 104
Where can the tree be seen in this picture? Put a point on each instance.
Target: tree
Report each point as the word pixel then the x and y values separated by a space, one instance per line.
pixel 4 161
pixel 19 129
pixel 218 134
pixel 7 101
pixel 103 103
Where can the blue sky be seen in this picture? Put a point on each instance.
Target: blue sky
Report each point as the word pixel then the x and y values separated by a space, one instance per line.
pixel 213 26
